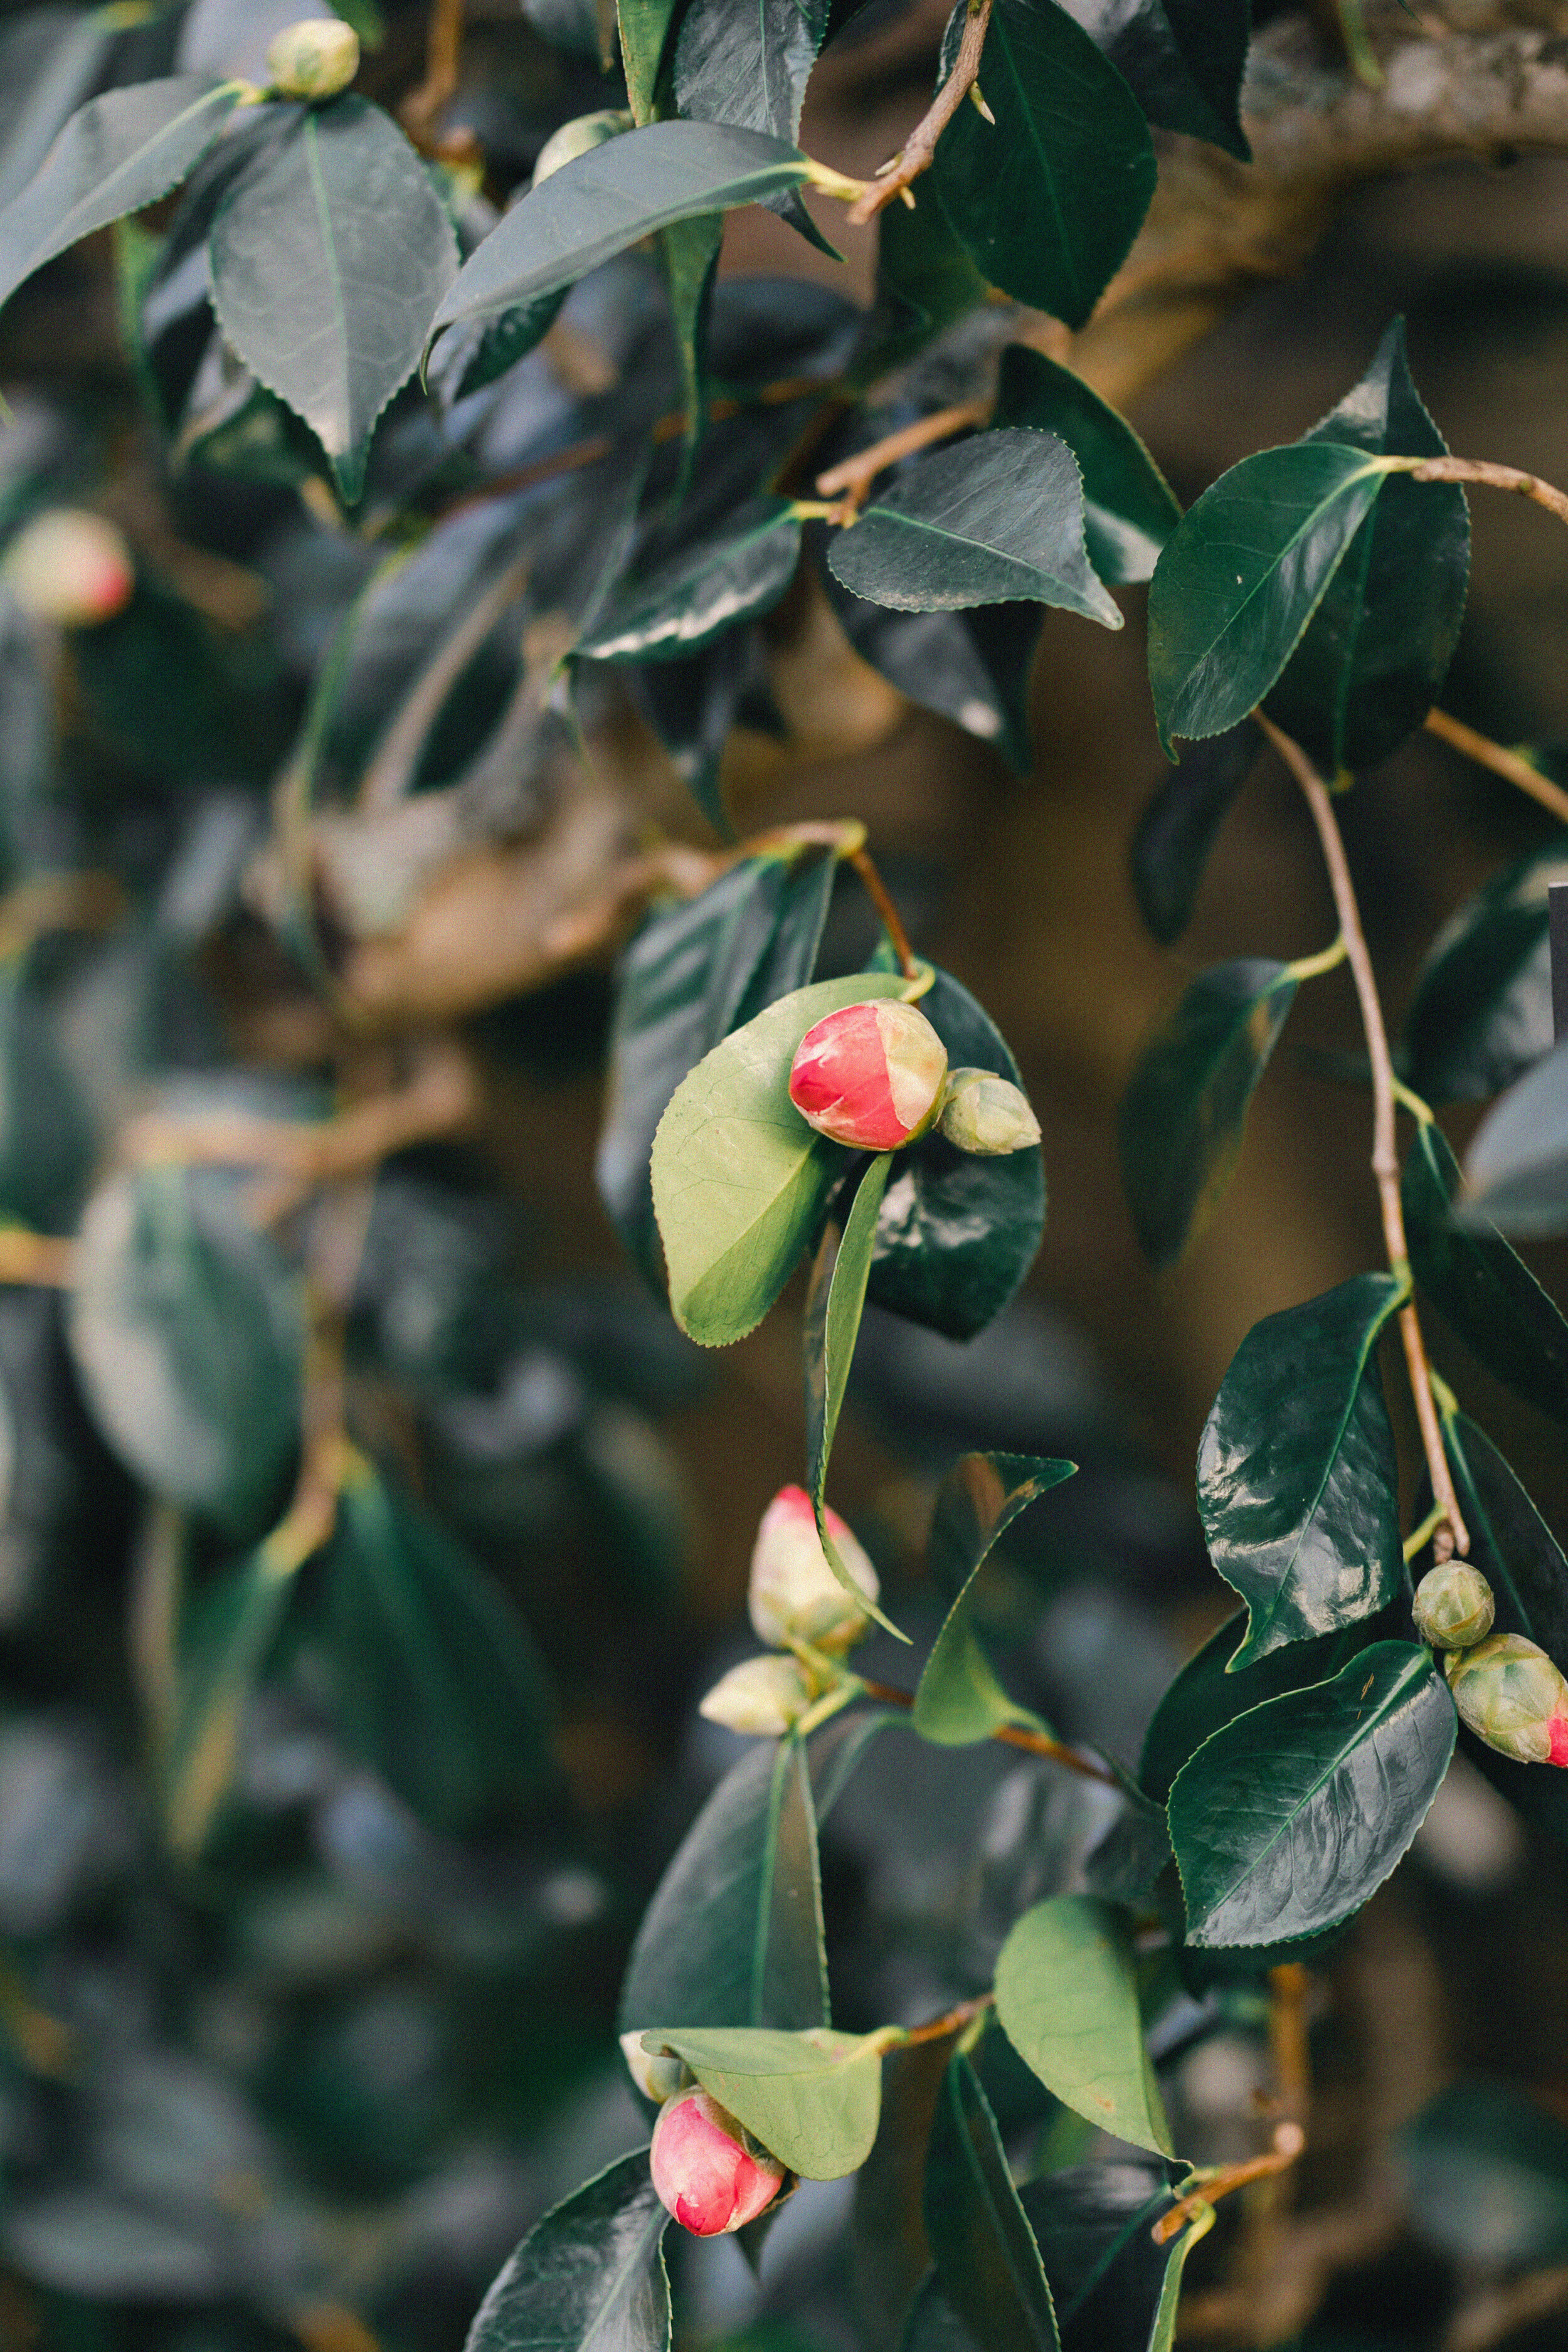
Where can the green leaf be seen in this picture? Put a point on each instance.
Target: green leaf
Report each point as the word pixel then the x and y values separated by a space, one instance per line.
pixel 591 2274
pixel 703 589
pixel 890 2251
pixel 998 517
pixel 1377 649
pixel 749 64
pixel 694 972
pixel 688 257
pixel 692 704
pixel 987 2258
pixel 739 1179
pixel 1516 1170
pixel 1481 1011
pixel 1486 2174
pixel 959 1699
pixel 1128 509
pixel 302 278
pixel 1185 1112
pixel 925 280
pixel 1287 1820
pixel 1115 2289
pixel 117 153
pixel 1048 198
pixel 812 2098
pixel 223 1649
pixel 603 201
pixel 47 1142
pixel 48 63
pixel 1183 59
pixel 1483 1287
pixel 1242 575
pixel 436 1682
pixel 1067 1996
pixel 1298 1478
pixel 734 1934
pixel 973 667
pixel 185 1328
pixel 1179 827
pixel 834 1303
pixel 645 30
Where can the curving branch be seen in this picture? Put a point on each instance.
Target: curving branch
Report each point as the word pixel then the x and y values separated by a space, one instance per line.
pixel 919 148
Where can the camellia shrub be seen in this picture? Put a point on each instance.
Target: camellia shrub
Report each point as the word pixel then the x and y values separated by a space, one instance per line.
pixel 350 1806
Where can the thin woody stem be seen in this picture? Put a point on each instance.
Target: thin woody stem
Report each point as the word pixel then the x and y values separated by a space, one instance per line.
pixel 443 57
pixel 952 2021
pixel 916 155
pixel 856 473
pixel 1489 476
pixel 1512 766
pixel 1014 1735
pixel 1289 2140
pixel 891 920
pixel 1455 1536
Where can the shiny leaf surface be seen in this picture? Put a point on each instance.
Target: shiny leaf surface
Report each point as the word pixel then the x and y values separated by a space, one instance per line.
pixel 590 2274
pixel 1183 59
pixel 971 667
pixel 1483 1287
pixel 1287 1820
pixel 750 65
pixel 1094 2225
pixel 959 1698
pixel 1243 573
pixel 1516 1170
pixel 1179 827
pixel 1481 1011
pixel 1067 1996
pixel 1183 1114
pixel 1048 197
pixel 702 590
pixel 999 517
pixel 987 2262
pixel 925 280
pixel 1298 1478
pixel 1128 509
pixel 812 2098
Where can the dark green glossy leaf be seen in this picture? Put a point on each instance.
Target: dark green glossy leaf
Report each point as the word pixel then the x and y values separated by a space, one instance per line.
pixel 734 1934
pixel 739 1179
pixel 688 256
pixel 300 277
pixel 1115 2289
pixel 1287 1820
pixel 1377 649
pixel 602 202
pixel 925 280
pixel 693 704
pixel 890 2251
pixel 1128 509
pixel 974 667
pixel 1183 59
pixel 185 1327
pixel 702 590
pixel 958 1233
pixel 1486 2172
pixel 959 1699
pixel 987 2258
pixel 437 1685
pixel 749 64
pixel 1179 827
pixel 644 29
pixel 1242 575
pixel 1481 1011
pixel 995 518
pixel 1067 1998
pixel 1483 1286
pixel 47 1142
pixel 117 153
pixel 834 1303
pixel 223 1646
pixel 812 2098
pixel 1298 1478
pixel 1516 1170
pixel 590 2274
pixel 1048 197
pixel 1185 1112
pixel 50 61
pixel 694 972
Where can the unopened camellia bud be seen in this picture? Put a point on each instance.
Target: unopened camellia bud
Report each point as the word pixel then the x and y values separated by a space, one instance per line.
pixel 707 2171
pixel 1511 1695
pixel 1453 1606
pixel 575 138
pixel 71 566
pixel 794 1594
pixel 984 1113
pixel 869 1075
pixel 314 58
pixel 764 1697
pixel 658 2078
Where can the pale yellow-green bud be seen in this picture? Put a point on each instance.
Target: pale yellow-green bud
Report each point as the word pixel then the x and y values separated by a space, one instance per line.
pixel 577 137
pixel 314 58
pixel 1511 1695
pixel 656 2078
pixel 986 1114
pixel 1453 1606
pixel 764 1697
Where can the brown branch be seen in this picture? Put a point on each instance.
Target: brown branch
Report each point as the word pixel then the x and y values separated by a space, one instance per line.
pixel 1289 2140
pixel 1492 478
pixel 38 1261
pixel 1385 1152
pixel 1503 2308
pixel 856 473
pixel 952 2021
pixel 891 921
pixel 1015 1735
pixel 442 59
pixel 916 155
pixel 1511 765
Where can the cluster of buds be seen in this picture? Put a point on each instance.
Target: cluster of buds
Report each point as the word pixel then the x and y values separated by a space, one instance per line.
pixel 797 1605
pixel 708 2170
pixel 313 60
pixel 875 1076
pixel 1505 1689
pixel 71 567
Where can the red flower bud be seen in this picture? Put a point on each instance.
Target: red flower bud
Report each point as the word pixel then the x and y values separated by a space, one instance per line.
pixel 71 566
pixel 869 1075
pixel 705 2170
pixel 794 1594
pixel 1511 1695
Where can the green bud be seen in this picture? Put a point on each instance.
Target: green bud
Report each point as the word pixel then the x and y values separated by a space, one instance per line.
pixel 1453 1606
pixel 578 137
pixel 314 58
pixel 986 1114
pixel 1511 1695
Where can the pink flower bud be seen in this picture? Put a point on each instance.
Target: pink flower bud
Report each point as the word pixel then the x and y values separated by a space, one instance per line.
pixel 869 1075
pixel 984 1113
pixel 763 1697
pixel 1511 1695
pixel 794 1594
pixel 707 2170
pixel 71 566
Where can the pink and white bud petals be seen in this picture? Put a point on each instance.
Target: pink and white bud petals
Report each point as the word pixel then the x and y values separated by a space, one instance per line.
pixel 1510 1694
pixel 704 2169
pixel 794 1595
pixel 869 1075
pixel 71 567
pixel 763 1698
